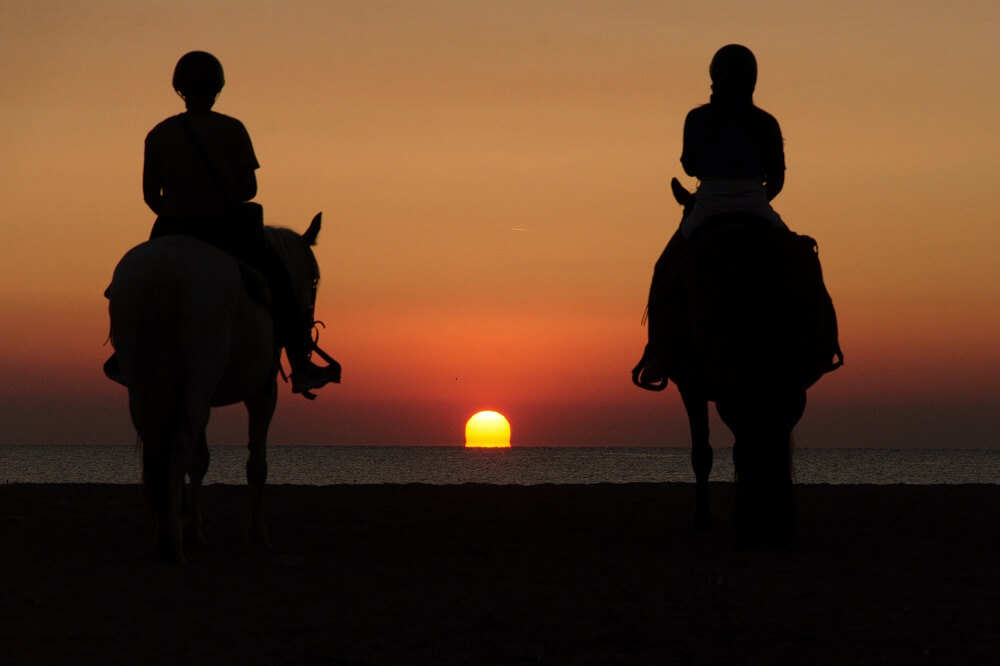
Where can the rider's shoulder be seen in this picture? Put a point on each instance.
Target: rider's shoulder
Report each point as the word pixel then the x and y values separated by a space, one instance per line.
pixel 225 125
pixel 164 131
pixel 764 117
pixel 699 112
pixel 165 125
pixel 210 124
pixel 223 119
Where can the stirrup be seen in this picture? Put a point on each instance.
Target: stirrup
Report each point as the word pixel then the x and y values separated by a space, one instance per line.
pixel 332 366
pixel 324 375
pixel 657 383
pixel 331 373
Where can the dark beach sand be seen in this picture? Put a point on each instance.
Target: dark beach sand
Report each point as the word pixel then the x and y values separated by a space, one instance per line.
pixel 415 574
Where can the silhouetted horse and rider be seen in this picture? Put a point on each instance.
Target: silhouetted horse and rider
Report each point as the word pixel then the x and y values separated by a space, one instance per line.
pixel 738 313
pixel 200 312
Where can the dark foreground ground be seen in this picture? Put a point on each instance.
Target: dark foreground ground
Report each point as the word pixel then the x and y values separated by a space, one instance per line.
pixel 602 574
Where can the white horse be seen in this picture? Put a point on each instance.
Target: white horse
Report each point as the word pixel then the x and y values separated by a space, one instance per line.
pixel 190 335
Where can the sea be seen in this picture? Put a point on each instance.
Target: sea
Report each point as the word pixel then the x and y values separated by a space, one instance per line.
pixel 445 465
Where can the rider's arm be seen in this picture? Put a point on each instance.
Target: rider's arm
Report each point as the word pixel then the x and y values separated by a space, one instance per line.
pixel 775 159
pixel 152 188
pixel 246 186
pixel 243 163
pixel 692 134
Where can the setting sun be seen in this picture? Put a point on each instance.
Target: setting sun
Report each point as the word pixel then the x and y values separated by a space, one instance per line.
pixel 487 429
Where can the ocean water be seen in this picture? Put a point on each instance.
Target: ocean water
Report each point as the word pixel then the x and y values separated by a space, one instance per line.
pixel 322 465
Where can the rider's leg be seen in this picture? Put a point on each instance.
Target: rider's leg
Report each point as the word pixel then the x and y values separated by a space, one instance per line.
pixel 292 327
pixel 650 369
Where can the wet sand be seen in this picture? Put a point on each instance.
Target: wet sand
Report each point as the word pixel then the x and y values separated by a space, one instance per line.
pixel 475 574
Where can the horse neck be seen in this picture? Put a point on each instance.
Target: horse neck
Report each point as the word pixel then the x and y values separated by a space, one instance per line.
pixel 296 257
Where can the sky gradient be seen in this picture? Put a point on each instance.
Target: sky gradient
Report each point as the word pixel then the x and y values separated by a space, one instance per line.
pixel 494 178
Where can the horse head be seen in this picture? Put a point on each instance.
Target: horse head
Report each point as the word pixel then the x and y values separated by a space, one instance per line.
pixel 296 253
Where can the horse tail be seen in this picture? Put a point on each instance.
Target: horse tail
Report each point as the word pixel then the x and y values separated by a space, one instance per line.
pixel 156 403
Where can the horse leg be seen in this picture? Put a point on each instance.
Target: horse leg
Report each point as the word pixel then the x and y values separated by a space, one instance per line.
pixel 779 489
pixel 199 466
pixel 701 456
pixel 260 410
pixel 734 415
pixel 762 458
pixel 163 481
pixel 173 542
pixel 768 490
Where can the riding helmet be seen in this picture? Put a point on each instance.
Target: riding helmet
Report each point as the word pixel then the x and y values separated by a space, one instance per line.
pixel 733 70
pixel 199 73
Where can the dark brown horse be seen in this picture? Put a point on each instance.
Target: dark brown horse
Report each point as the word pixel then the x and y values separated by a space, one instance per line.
pixel 744 320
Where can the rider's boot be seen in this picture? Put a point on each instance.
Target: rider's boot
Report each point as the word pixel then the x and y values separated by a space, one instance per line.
pixel 648 373
pixel 306 375
pixel 293 328
pixel 310 376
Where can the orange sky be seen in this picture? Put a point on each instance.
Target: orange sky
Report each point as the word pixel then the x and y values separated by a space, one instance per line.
pixel 494 181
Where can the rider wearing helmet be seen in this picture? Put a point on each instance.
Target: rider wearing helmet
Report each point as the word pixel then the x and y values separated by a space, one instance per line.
pixel 732 147
pixel 198 177
pixel 735 151
pixel 187 194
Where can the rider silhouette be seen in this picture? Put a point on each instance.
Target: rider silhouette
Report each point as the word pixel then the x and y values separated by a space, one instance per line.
pixel 198 177
pixel 735 151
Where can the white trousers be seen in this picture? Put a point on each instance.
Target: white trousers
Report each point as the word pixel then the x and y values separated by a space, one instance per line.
pixel 715 197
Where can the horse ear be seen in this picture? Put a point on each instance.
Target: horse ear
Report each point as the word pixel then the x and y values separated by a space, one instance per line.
pixel 313 231
pixel 683 197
